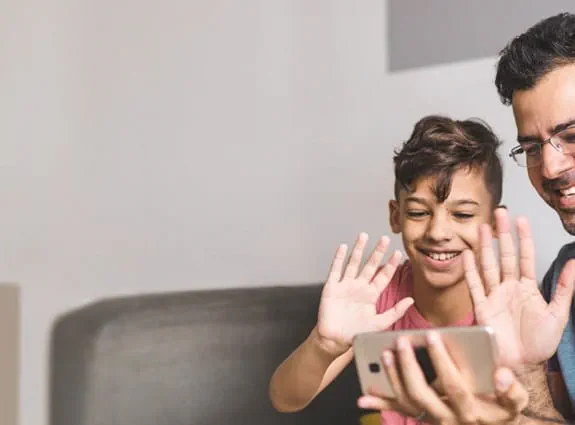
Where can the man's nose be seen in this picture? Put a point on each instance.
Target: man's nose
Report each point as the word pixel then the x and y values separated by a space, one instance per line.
pixel 554 163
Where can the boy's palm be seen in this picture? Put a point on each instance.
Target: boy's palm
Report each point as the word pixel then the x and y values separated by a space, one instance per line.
pixel 527 328
pixel 348 301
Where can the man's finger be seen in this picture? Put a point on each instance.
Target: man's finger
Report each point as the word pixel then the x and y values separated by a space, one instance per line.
pixel 452 380
pixel 526 249
pixel 473 279
pixel 560 304
pixel 489 268
pixel 416 388
pixel 375 258
pixel 507 255
pixel 393 378
pixel 356 256
pixel 511 394
pixel 375 403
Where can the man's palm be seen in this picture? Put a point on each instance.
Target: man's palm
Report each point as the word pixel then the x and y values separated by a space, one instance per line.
pixel 508 299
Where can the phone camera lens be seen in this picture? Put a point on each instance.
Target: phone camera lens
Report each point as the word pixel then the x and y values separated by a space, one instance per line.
pixel 374 367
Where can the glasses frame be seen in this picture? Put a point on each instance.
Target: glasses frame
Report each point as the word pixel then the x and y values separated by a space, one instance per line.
pixel 556 145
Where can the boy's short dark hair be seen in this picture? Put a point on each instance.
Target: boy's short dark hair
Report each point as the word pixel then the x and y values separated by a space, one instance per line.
pixel 530 56
pixel 439 146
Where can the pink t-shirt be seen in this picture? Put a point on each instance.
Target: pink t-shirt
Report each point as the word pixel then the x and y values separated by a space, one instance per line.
pixel 401 286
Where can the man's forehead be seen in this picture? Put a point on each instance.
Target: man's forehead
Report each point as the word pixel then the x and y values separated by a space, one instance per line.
pixel 547 107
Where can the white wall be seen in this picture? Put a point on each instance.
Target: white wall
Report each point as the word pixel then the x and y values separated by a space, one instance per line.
pixel 151 146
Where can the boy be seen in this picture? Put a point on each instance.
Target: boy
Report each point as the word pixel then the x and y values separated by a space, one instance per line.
pixel 448 181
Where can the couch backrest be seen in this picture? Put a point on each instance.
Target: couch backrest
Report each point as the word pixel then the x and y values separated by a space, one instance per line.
pixel 193 358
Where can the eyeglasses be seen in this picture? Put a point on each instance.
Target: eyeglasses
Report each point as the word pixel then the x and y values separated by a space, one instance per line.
pixel 528 154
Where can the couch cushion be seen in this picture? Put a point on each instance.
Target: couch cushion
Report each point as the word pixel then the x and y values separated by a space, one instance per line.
pixel 193 358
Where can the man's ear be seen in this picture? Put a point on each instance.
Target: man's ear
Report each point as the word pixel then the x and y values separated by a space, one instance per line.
pixel 394 216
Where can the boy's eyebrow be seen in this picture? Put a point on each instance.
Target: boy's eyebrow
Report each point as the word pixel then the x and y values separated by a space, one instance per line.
pixel 456 202
pixel 465 202
pixel 416 199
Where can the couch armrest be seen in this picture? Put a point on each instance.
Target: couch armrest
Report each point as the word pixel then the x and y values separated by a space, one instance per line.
pixel 9 353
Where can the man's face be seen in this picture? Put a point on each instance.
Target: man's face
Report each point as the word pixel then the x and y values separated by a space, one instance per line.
pixel 435 234
pixel 537 112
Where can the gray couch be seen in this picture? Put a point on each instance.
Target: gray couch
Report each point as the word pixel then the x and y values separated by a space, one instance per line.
pixel 192 358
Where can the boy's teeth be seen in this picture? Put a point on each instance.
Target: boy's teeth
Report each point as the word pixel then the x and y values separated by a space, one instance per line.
pixel 568 191
pixel 442 256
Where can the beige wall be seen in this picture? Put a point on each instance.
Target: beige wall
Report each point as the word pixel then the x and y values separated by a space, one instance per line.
pixel 9 353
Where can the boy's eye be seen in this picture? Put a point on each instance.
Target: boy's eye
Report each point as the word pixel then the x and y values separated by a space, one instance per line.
pixel 416 214
pixel 463 216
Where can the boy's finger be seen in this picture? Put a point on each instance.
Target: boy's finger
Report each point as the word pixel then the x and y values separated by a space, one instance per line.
pixel 356 256
pixel 526 249
pixel 473 279
pixel 385 273
pixel 507 253
pixel 489 267
pixel 385 320
pixel 337 264
pixel 375 258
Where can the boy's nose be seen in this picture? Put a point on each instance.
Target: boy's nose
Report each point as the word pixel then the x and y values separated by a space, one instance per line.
pixel 439 229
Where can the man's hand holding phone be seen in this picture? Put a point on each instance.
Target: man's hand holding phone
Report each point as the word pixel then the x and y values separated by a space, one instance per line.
pixel 415 397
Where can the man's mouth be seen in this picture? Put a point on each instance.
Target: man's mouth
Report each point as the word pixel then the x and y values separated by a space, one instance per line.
pixel 440 255
pixel 564 199
pixel 566 192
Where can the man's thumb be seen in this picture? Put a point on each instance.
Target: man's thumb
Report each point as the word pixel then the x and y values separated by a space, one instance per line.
pixel 561 300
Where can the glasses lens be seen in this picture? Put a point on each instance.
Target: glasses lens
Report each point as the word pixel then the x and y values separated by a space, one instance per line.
pixel 567 140
pixel 518 155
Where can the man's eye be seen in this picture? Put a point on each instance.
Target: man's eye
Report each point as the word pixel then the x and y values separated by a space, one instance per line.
pixel 531 149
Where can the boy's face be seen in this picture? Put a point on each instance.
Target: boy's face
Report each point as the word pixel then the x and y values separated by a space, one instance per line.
pixel 435 234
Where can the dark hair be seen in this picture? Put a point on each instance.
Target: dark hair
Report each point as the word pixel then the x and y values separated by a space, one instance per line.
pixel 528 57
pixel 439 146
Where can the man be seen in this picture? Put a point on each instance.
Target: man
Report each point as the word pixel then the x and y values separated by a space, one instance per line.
pixel 536 76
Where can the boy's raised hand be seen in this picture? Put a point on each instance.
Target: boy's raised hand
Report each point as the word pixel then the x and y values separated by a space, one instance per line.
pixel 348 300
pixel 506 295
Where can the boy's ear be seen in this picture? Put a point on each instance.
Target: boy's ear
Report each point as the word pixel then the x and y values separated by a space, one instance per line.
pixel 394 216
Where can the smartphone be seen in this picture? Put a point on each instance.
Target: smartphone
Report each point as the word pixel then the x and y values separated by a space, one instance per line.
pixel 472 348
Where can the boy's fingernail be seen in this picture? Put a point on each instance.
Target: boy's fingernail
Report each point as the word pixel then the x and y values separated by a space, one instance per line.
pixel 503 380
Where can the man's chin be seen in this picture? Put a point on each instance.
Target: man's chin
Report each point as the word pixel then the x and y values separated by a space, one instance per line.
pixel 568 220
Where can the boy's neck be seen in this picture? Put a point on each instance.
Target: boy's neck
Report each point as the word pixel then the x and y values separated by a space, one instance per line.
pixel 442 307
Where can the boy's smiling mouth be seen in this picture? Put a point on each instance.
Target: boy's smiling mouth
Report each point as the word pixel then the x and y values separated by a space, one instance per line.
pixel 437 255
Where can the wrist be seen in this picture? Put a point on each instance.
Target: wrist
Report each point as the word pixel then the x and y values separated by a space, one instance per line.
pixel 326 346
pixel 527 371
